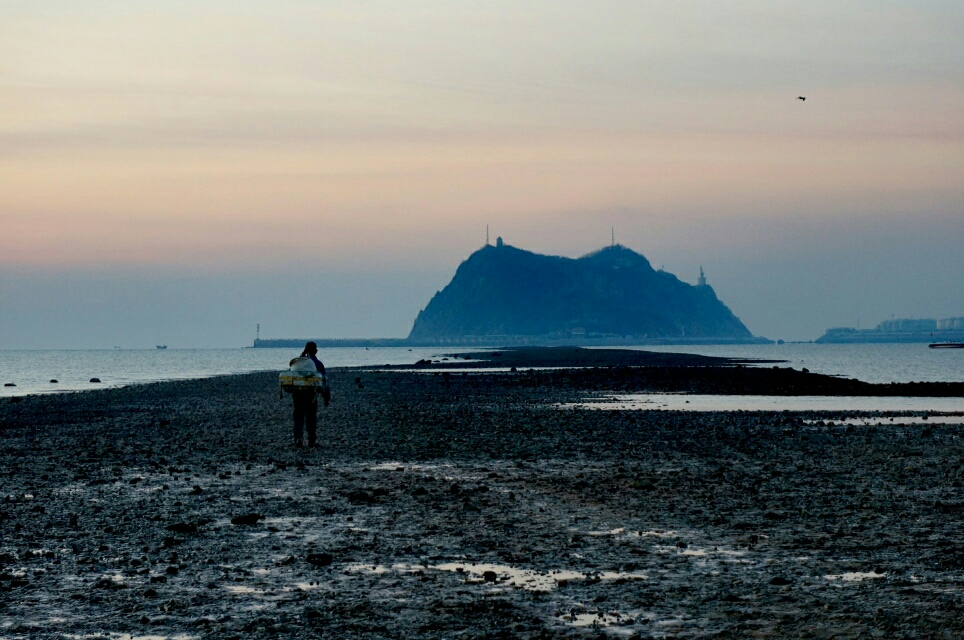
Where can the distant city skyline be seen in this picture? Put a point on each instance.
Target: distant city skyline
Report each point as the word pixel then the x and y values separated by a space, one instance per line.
pixel 177 173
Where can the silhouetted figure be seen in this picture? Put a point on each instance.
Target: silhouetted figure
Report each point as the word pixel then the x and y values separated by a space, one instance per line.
pixel 306 402
pixel 801 97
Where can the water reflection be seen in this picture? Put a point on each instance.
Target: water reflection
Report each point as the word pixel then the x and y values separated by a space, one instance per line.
pixel 687 402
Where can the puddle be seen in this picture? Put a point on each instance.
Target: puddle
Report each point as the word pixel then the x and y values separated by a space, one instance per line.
pixel 471 370
pixel 887 420
pixel 621 531
pixel 855 576
pixel 611 621
pixel 654 534
pixel 241 589
pixel 375 569
pixel 611 532
pixel 114 577
pixel 505 576
pixel 687 402
pixel 402 466
pixel 111 635
pixel 307 586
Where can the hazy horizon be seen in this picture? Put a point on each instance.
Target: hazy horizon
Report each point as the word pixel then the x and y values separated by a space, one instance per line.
pixel 175 174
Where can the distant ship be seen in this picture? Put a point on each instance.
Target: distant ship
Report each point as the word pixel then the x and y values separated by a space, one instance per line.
pixel 162 346
pixel 947 345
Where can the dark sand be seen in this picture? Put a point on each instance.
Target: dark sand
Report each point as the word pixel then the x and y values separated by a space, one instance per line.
pixel 469 507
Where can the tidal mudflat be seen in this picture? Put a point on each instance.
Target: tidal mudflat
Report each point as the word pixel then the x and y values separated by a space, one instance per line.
pixel 471 506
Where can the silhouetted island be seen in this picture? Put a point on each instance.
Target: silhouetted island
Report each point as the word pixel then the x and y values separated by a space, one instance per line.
pixel 613 296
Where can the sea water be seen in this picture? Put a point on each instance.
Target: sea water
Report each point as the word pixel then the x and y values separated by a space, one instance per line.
pixel 877 363
pixel 32 371
pixel 709 402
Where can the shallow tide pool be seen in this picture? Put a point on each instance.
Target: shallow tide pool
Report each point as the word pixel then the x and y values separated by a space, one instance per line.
pixel 690 402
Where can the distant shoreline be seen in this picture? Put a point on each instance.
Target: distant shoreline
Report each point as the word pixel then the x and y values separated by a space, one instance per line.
pixel 907 330
pixel 873 336
pixel 502 341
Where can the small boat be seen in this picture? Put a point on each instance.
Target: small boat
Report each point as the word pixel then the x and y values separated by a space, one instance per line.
pixel 946 345
pixel 162 346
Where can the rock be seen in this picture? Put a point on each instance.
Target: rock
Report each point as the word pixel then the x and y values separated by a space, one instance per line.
pixel 150 593
pixel 614 290
pixel 775 515
pixel 420 491
pixel 780 581
pixel 319 559
pixel 172 570
pixel 9 384
pixel 182 527
pixel 108 584
pixel 135 480
pixel 54 381
pixel 490 576
pixel 360 496
pixel 196 491
pixel 248 518
pixel 95 379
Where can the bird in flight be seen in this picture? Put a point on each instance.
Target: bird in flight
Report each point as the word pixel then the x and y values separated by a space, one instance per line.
pixel 801 97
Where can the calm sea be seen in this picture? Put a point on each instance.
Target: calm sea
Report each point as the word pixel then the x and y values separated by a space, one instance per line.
pixel 32 371
pixel 879 363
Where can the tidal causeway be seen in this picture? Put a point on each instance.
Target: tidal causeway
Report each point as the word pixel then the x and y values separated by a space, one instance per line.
pixel 467 503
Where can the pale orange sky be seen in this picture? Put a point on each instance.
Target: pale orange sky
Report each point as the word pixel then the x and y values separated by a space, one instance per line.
pixel 247 137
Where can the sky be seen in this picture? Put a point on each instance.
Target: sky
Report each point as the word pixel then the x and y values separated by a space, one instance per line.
pixel 178 172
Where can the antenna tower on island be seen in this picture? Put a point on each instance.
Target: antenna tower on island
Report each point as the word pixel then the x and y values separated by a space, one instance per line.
pixel 613 232
pixel 702 281
pixel 486 235
pixel 257 332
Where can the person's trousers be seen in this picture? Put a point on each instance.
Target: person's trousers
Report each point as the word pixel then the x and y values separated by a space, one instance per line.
pixel 306 414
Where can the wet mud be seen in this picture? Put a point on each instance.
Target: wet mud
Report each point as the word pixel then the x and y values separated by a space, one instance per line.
pixel 469 506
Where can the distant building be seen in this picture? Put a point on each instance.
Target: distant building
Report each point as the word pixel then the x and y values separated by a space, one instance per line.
pixel 498 241
pixel 950 324
pixel 908 324
pixel 900 330
pixel 701 282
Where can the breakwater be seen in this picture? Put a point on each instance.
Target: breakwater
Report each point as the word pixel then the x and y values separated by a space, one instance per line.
pixel 502 341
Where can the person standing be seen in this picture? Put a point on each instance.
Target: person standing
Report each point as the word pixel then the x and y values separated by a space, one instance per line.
pixel 306 402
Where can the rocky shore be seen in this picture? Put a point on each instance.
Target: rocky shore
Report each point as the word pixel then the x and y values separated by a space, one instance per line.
pixel 469 505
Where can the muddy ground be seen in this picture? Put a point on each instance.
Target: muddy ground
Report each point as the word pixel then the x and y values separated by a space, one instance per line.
pixel 469 506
